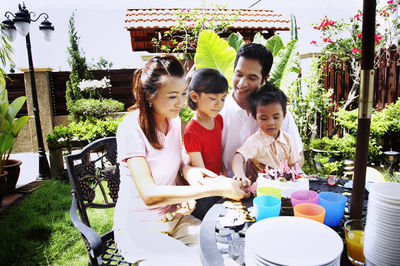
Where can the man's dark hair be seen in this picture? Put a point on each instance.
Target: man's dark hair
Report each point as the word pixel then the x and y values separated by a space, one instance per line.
pixel 267 94
pixel 258 52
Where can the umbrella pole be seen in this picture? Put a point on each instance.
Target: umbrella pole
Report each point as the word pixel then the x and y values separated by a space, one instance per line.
pixel 364 107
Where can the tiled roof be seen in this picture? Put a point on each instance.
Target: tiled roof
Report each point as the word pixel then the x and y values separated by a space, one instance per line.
pixel 164 18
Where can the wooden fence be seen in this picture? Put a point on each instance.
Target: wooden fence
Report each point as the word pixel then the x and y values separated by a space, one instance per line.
pixel 386 84
pixel 120 79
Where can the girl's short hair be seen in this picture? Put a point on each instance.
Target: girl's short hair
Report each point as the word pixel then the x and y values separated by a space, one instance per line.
pixel 146 83
pixel 267 94
pixel 206 80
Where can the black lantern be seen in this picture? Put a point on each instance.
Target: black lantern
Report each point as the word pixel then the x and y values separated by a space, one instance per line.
pixel 21 22
pixel 392 157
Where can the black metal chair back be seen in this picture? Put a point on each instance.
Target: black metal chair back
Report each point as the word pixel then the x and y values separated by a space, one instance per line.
pixel 94 177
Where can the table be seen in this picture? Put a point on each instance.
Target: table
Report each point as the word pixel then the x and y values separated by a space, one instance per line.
pixel 217 248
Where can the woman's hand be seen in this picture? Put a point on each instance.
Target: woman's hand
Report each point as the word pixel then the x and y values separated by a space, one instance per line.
pixel 197 175
pixel 231 188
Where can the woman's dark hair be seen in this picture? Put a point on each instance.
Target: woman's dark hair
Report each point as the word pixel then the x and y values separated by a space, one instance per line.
pixel 267 94
pixel 258 52
pixel 146 83
pixel 206 80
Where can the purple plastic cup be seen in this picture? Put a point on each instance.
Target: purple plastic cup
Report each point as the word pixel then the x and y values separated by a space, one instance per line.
pixel 304 196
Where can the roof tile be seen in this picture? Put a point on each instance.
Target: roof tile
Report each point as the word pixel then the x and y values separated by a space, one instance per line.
pixel 164 18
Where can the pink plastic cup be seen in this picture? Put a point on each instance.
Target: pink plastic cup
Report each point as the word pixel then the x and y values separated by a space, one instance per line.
pixel 304 196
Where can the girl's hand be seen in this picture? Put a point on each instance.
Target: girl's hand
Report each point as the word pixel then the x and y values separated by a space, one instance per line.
pixel 232 189
pixel 196 175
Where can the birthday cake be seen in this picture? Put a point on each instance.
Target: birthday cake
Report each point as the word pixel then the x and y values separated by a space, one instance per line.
pixel 286 179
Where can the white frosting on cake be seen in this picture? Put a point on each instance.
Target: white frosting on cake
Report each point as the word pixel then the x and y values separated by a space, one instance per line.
pixel 287 187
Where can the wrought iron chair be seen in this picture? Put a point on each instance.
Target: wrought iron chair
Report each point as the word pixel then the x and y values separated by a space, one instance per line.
pixel 95 170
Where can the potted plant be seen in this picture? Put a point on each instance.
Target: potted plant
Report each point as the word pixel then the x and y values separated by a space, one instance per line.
pixel 10 126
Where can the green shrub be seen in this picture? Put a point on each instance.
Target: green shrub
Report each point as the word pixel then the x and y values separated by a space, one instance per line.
pixel 186 114
pixel 346 145
pixel 92 109
pixel 83 131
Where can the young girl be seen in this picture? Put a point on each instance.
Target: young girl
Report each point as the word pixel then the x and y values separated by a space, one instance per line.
pixel 270 145
pixel 202 136
pixel 148 225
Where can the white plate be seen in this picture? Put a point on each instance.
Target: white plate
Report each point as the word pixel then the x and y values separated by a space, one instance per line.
pixel 292 240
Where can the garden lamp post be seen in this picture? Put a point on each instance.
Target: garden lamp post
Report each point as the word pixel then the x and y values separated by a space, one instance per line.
pixel 20 22
pixel 392 158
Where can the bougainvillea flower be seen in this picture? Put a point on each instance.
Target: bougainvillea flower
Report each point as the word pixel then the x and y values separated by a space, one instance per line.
pixel 356 50
pixel 179 45
pixel 359 35
pixel 313 42
pixel 390 2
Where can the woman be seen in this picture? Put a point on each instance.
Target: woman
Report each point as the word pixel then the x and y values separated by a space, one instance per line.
pixel 150 227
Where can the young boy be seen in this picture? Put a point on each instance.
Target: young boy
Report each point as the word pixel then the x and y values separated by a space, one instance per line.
pixel 269 145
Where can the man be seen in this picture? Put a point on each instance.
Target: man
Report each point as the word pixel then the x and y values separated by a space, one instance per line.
pixel 252 66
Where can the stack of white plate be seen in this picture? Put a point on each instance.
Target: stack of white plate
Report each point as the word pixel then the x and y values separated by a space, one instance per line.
pixel 382 229
pixel 288 240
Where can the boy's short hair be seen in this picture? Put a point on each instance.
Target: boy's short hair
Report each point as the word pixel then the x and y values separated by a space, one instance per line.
pixel 258 52
pixel 206 80
pixel 267 94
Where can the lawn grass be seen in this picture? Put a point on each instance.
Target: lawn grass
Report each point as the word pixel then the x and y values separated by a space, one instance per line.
pixel 39 231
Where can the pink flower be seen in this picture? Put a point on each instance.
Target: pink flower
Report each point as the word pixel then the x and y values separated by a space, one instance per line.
pixel 356 50
pixel 179 46
pixel 357 16
pixel 328 40
pixel 359 35
pixel 390 2
pixel 313 42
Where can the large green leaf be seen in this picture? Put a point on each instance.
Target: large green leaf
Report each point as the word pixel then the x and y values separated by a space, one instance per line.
pixel 18 124
pixel 274 45
pixel 285 68
pixel 6 142
pixel 14 108
pixel 2 81
pixel 258 38
pixel 3 102
pixel 236 41
pixel 214 52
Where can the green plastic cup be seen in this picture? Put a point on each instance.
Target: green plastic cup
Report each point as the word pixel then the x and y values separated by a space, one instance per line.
pixel 271 191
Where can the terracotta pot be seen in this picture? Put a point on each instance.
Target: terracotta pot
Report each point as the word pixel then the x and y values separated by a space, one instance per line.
pixel 13 168
pixel 3 185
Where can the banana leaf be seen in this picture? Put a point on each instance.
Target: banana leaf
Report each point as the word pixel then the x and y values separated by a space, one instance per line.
pixel 214 52
pixel 236 41
pixel 285 68
pixel 274 45
pixel 258 38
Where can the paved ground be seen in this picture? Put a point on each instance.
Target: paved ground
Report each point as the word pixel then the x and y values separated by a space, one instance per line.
pixel 29 167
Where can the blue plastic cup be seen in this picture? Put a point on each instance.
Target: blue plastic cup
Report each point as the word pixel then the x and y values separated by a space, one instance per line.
pixel 334 204
pixel 266 206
